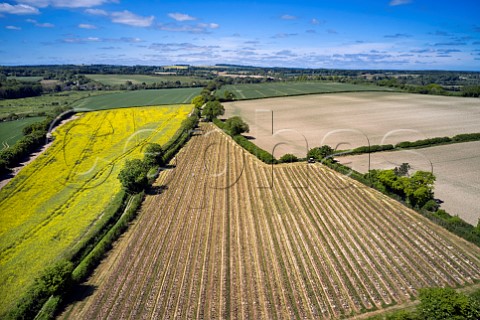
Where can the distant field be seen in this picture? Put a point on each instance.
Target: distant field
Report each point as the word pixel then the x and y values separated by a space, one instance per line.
pixel 27 79
pixel 117 79
pixel 349 120
pixel 11 131
pixel 59 199
pixel 137 98
pixel 45 103
pixel 456 166
pixel 279 89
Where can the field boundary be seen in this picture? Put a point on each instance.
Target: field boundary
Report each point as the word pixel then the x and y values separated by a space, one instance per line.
pixel 406 145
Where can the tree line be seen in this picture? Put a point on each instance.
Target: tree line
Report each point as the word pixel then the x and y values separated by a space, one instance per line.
pixel 14 89
pixel 35 136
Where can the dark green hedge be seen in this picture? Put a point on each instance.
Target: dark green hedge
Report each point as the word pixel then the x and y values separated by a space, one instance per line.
pixel 248 145
pixel 88 264
pixel 422 143
pixel 415 144
pixel 466 137
pixel 256 151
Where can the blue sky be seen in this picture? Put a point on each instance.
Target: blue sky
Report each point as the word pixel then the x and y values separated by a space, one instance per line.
pixel 393 34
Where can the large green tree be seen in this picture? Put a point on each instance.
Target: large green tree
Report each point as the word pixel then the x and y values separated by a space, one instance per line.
pixel 212 110
pixel 133 176
pixel 446 303
pixel 198 101
pixel 235 125
pixel 416 190
pixel 320 153
pixel 154 155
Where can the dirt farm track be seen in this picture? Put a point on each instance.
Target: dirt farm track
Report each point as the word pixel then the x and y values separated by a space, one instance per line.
pixel 226 236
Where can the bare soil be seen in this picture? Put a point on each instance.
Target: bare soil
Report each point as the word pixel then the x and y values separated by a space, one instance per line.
pixel 350 120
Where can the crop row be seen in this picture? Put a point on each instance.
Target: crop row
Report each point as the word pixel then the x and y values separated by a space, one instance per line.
pixel 230 237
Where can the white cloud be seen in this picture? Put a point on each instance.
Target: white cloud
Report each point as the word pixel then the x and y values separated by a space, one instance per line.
pixel 209 25
pixel 66 3
pixel 288 17
pixel 86 26
pixel 185 46
pixel 399 2
pixel 81 40
pixel 97 12
pixel 41 25
pixel 131 19
pixel 284 35
pixel 77 40
pixel 13 28
pixel 198 28
pixel 123 17
pixel 18 9
pixel 181 17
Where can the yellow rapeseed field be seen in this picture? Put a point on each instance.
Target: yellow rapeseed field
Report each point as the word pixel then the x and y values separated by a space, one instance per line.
pixel 56 200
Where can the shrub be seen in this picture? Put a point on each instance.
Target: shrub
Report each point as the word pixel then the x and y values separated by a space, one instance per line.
pixel 287 158
pixel 235 125
pixel 446 303
pixel 134 176
pixel 154 155
pixel 56 280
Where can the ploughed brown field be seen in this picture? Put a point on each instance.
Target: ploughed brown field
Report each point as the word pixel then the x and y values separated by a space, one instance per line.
pixel 349 120
pixel 226 236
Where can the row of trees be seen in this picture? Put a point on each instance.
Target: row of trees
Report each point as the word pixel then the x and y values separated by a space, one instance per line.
pixel 416 190
pixel 13 89
pixel 35 136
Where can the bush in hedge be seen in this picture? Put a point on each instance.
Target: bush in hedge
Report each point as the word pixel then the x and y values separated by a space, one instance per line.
pixel 55 280
pixel 287 158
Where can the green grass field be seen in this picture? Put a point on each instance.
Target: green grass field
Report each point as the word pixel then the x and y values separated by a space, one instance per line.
pixel 117 79
pixel 279 89
pixel 27 79
pixel 11 131
pixel 45 103
pixel 137 98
